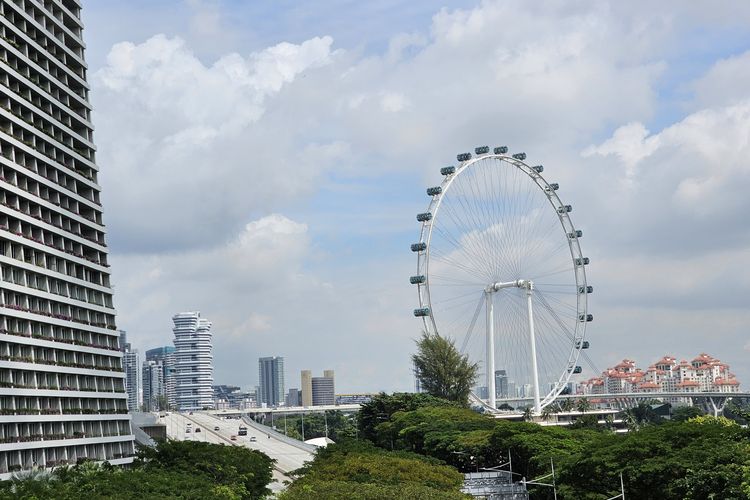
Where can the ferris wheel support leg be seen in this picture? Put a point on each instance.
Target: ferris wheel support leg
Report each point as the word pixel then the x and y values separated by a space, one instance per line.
pixel 490 350
pixel 535 371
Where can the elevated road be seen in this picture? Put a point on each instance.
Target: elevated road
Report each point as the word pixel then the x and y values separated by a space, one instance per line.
pixel 288 456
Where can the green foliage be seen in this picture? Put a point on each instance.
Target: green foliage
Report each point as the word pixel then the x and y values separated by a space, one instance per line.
pixel 701 458
pixel 382 406
pixel 344 490
pixel 358 470
pixel 683 413
pixel 442 370
pixel 186 470
pixel 224 465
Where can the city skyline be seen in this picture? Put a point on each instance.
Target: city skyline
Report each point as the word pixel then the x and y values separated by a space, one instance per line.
pixel 304 230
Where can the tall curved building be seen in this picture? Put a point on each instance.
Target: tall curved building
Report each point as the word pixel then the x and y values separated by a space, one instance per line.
pixel 194 369
pixel 62 385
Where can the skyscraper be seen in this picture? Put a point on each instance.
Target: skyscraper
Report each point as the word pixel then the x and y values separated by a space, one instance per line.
pixel 194 369
pixel 323 389
pixel 501 384
pixel 271 378
pixel 132 372
pixel 153 385
pixel 63 396
pixel 165 358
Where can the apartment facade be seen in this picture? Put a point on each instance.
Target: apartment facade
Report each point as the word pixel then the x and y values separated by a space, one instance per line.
pixel 703 374
pixel 62 384
pixel 194 369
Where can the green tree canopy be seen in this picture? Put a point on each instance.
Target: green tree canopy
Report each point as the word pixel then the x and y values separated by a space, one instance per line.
pixel 443 371
pixel 358 470
pixel 382 407
pixel 186 470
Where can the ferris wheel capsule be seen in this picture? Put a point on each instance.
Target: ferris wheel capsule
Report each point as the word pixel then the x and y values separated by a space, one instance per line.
pixel 448 170
pixel 463 156
pixel 434 191
pixel 520 156
pixel 481 150
pixel 500 150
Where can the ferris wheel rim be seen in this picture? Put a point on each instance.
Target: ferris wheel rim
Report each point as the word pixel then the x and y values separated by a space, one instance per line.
pixel 423 257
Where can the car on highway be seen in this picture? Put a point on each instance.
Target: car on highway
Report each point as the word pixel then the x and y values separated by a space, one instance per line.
pixel 187 429
pixel 233 438
pixel 216 428
pixel 197 429
pixel 253 439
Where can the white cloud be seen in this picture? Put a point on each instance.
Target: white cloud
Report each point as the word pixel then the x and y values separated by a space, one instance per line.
pixel 630 143
pixel 191 150
pixel 725 83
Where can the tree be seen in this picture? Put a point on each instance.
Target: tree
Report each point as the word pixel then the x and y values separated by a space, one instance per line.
pixel 442 370
pixel 358 470
pixel 381 407
pixel 583 405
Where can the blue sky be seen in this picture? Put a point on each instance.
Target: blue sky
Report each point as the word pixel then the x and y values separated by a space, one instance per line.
pixel 263 161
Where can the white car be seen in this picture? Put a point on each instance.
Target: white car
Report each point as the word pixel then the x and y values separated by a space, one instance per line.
pixel 253 439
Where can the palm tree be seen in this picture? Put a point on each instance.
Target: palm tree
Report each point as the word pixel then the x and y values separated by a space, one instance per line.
pixel 583 405
pixel 547 412
pixel 527 414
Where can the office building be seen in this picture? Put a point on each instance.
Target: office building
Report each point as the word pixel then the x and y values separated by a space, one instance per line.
pixel 194 370
pixel 294 397
pixel 154 396
pixel 63 384
pixel 317 391
pixel 323 389
pixel 271 378
pixel 132 372
pixel 501 384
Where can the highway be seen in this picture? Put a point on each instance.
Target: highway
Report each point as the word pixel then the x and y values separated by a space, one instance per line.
pixel 288 457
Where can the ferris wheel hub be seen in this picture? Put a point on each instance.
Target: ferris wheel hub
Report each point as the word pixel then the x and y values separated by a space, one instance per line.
pixel 495 287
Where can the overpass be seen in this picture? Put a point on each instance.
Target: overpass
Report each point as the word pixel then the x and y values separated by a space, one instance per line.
pixel 712 402
pixel 286 410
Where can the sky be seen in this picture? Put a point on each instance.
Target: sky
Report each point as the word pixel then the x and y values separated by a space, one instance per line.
pixel 262 162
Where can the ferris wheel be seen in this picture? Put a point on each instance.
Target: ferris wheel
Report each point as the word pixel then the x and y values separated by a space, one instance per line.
pixel 498 252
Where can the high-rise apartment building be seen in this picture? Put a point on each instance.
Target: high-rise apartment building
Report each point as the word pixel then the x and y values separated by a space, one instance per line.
pixel 132 372
pixel 62 384
pixel 271 378
pixel 194 368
